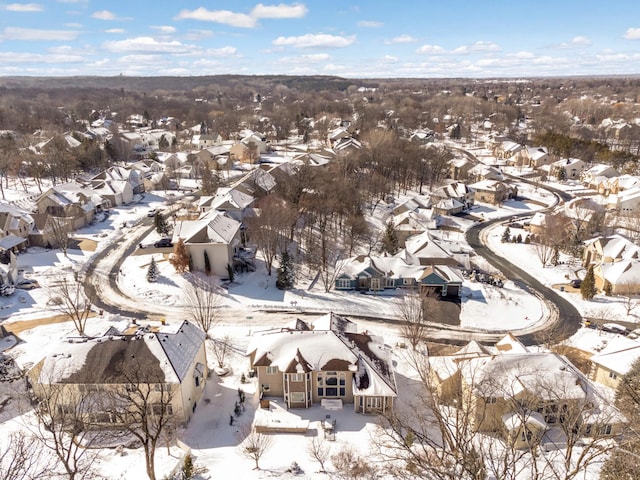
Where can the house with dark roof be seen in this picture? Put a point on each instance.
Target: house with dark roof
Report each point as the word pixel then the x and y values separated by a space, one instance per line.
pixel 328 360
pixel 167 359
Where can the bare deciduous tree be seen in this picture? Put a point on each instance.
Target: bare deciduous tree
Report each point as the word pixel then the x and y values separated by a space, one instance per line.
pixel 221 348
pixel 69 298
pixel 350 465
pixel 60 233
pixel 413 328
pixel 142 406
pixel 319 450
pixel 21 458
pixel 61 415
pixel 202 303
pixel 254 444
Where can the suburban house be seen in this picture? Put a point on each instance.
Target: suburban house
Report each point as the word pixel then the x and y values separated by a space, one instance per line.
pixel 92 371
pixel 508 149
pixel 598 176
pixel 131 176
pixel 70 204
pixel 411 223
pixel 484 172
pixel 614 361
pixel 523 396
pixel 625 201
pixel 374 274
pixel 207 140
pixel 573 168
pixel 455 191
pixel 493 191
pixel 448 206
pixel 212 241
pixel 427 249
pixel 231 201
pixel 535 157
pixel 459 168
pixel 15 227
pixel 609 250
pixel 620 278
pixel 325 362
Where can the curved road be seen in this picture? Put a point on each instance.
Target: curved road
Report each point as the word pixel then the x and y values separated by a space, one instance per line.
pixel 565 318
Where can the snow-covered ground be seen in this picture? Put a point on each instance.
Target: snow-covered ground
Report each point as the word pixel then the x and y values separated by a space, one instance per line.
pixel 209 436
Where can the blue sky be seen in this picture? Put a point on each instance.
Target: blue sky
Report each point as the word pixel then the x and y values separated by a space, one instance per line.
pixel 373 38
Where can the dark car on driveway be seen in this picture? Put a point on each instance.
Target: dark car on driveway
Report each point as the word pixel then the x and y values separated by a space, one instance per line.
pixel 163 243
pixel 575 283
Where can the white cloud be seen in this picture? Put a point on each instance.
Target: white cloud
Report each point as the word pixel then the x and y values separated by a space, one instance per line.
pixel 17 33
pixel 73 25
pixel 103 15
pixel 632 34
pixel 164 28
pixel 38 58
pixel 115 30
pixel 521 55
pixel 23 7
pixel 296 10
pixel 431 50
pixel 318 40
pixel 242 20
pixel 73 1
pixel 195 35
pixel 389 59
pixel 304 59
pixel 477 47
pixel 369 24
pixel 482 46
pixel 148 45
pixel 401 39
pixel 221 52
pixel 226 17
pixel 580 41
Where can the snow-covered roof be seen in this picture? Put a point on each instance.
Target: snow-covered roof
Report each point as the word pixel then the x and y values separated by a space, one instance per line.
pixel 212 227
pixel 624 272
pixel 514 420
pixel 546 375
pixel 333 345
pixel 619 355
pixel 166 356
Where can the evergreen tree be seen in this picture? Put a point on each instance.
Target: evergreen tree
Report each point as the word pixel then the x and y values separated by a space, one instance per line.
pixel 152 272
pixel 207 263
pixel 588 288
pixel 209 182
pixel 562 174
pixel 390 239
pixel 285 278
pixel 519 238
pixel 506 235
pixel 181 260
pixel 161 225
pixel 230 272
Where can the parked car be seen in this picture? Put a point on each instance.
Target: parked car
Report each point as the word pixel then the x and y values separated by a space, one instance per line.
pixel 163 243
pixel 634 334
pixel 152 212
pixel 575 283
pixel 614 328
pixel 27 284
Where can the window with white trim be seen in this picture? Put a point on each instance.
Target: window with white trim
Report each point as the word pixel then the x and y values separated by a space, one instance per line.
pixel 613 375
pixel 297 377
pixel 490 400
pixel 272 370
pixel 332 384
pixel 343 283
pixel 297 397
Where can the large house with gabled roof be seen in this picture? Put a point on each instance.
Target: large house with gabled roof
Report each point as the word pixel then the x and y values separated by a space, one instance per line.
pixel 170 358
pixel 329 359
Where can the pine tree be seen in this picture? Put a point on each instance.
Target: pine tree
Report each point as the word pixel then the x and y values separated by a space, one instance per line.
pixel 588 288
pixel 390 239
pixel 230 272
pixel 162 227
pixel 562 174
pixel 506 235
pixel 152 272
pixel 181 260
pixel 285 278
pixel 207 263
